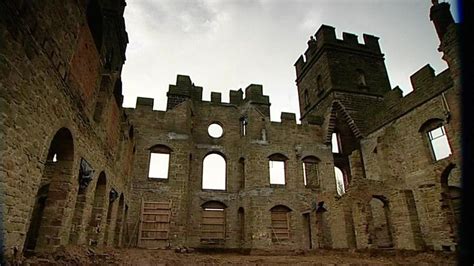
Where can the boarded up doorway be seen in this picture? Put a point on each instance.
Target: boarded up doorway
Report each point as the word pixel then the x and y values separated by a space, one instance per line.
pixel 155 224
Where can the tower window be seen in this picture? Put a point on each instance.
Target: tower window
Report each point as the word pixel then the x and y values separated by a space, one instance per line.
pixel 439 143
pixel 361 78
pixel 335 143
pixel 243 126
pixel 340 188
pixel 319 85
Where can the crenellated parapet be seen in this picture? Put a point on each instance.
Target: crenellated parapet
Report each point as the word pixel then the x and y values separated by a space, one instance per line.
pixel 426 86
pixel 326 37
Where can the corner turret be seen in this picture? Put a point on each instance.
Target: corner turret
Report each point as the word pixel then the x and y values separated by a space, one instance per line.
pixel 441 17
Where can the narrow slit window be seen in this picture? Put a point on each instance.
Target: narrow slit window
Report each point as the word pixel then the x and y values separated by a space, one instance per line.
pixel 304 175
pixel 159 165
pixel 243 126
pixel 439 143
pixel 335 143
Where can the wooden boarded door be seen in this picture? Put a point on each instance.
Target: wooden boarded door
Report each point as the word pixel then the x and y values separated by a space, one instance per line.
pixel 280 223
pixel 213 222
pixel 155 224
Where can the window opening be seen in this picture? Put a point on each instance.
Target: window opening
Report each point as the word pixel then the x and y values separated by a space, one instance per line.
pixel 335 143
pixel 215 130
pixel 243 126
pixel 159 162
pixel 277 172
pixel 214 172
pixel 310 171
pixel 361 77
pixel 339 181
pixel 319 84
pixel 439 143
pixel 305 181
pixel 159 165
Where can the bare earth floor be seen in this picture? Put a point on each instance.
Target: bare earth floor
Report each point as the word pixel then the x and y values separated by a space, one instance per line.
pixel 86 256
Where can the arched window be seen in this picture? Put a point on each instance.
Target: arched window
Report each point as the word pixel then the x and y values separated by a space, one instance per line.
pixel 280 223
pixel 379 225
pixel 339 180
pixel 277 167
pixel 311 171
pixel 213 222
pixel 159 162
pixel 214 172
pixel 437 138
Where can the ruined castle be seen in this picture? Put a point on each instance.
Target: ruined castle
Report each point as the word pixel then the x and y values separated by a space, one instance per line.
pixel 365 168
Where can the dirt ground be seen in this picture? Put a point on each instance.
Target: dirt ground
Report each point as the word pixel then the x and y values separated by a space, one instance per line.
pixel 107 256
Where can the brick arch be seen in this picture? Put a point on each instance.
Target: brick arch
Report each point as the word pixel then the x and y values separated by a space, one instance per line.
pixel 98 210
pixel 338 107
pixel 278 157
pixel 160 148
pixel 431 123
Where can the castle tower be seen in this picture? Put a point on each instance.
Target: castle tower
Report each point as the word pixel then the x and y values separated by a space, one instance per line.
pixel 333 68
pixel 337 80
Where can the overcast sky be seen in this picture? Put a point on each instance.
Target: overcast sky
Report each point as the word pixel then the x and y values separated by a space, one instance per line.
pixel 229 44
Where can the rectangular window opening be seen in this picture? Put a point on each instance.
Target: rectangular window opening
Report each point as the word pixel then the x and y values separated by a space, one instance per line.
pixel 439 143
pixel 159 165
pixel 277 172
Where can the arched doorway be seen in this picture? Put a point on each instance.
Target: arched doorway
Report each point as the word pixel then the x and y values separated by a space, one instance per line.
pixel 98 208
pixel 380 232
pixel 451 197
pixel 46 222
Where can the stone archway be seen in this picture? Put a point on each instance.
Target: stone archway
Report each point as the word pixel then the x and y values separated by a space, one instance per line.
pixel 46 223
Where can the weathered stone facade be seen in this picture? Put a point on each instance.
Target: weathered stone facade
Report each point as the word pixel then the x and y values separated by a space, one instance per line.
pixel 61 114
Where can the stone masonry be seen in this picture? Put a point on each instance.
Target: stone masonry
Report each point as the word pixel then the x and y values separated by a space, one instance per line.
pixel 75 165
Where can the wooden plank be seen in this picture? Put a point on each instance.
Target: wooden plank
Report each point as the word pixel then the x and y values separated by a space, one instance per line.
pixel 155 230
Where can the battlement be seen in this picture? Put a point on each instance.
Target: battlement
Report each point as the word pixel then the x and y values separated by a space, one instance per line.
pixel 326 36
pixel 423 77
pixel 254 94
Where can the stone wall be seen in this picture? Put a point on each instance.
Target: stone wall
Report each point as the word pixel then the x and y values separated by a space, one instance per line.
pixel 50 78
pixel 60 104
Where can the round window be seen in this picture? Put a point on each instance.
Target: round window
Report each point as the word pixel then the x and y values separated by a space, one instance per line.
pixel 215 130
